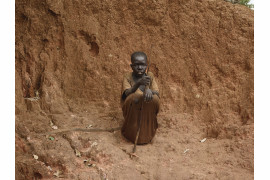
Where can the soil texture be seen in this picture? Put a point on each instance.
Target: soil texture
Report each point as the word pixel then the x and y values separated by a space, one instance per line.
pixel 70 60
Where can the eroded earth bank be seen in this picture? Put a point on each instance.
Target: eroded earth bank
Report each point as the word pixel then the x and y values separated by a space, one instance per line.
pixel 70 59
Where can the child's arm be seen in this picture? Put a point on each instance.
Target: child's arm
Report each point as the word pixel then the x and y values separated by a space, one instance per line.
pixel 143 81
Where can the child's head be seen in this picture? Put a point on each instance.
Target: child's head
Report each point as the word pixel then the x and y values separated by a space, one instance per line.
pixel 138 63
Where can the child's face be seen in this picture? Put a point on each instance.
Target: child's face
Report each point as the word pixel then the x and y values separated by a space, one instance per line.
pixel 139 65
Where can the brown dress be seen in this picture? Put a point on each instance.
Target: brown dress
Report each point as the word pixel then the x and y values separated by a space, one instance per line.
pixel 131 106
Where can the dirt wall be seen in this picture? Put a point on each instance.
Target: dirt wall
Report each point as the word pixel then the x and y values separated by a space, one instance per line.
pixel 71 57
pixel 200 51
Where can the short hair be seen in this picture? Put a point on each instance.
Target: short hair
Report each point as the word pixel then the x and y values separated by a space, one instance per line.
pixel 136 54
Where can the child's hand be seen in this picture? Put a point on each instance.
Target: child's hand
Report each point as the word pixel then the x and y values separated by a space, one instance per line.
pixel 145 81
pixel 148 95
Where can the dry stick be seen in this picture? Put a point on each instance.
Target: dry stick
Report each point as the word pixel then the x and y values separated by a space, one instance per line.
pixel 139 129
pixel 141 111
pixel 83 130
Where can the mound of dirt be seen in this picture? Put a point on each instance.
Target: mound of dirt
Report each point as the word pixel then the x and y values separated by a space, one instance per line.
pixel 70 60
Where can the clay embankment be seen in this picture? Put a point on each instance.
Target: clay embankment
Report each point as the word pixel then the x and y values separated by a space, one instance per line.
pixel 71 56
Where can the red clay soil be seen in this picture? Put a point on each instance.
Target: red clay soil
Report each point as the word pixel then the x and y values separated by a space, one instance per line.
pixel 70 60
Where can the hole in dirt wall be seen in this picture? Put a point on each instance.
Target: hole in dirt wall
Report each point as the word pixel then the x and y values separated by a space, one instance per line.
pixel 94 49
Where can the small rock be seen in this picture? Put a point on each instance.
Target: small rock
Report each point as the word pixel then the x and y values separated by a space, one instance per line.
pixel 54 127
pixel 203 140
pixel 35 156
pixel 49 167
pixel 58 174
pixel 94 144
pixel 89 126
pixel 78 153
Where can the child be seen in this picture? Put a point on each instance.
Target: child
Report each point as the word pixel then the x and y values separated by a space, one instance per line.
pixel 133 95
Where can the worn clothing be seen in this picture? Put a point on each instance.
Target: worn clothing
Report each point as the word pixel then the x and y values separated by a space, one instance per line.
pixel 131 107
pixel 128 82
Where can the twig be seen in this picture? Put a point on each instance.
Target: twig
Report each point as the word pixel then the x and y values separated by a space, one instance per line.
pixel 82 130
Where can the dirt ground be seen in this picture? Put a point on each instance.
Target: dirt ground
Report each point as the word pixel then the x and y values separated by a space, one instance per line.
pixel 70 60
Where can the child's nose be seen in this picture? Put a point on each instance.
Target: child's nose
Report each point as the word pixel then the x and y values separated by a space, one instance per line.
pixel 140 67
